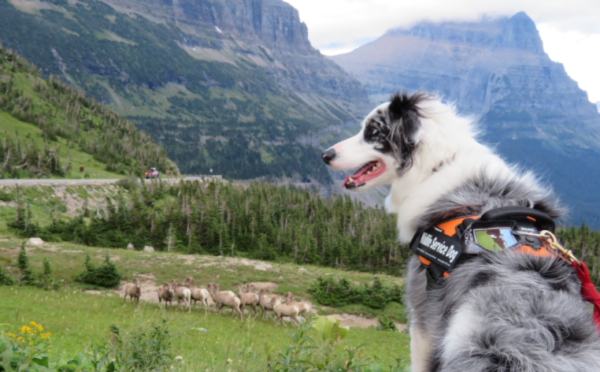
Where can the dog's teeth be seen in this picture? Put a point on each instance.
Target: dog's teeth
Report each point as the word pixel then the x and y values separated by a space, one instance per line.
pixel 378 165
pixel 369 172
pixel 351 179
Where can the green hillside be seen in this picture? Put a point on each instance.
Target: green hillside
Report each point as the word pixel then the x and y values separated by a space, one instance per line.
pixel 51 130
pixel 228 116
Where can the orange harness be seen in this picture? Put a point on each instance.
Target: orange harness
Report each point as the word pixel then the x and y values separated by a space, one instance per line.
pixel 449 229
pixel 546 245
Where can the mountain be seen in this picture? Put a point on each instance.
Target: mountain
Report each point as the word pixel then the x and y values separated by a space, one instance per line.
pixel 52 130
pixel 496 70
pixel 228 85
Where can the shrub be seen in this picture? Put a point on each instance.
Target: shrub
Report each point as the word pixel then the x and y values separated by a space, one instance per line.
pixel 377 296
pixel 323 353
pixel 25 350
pixel 143 349
pixel 6 196
pixel 106 275
pixel 4 278
pixel 46 280
pixel 385 324
pixel 26 275
pixel 130 182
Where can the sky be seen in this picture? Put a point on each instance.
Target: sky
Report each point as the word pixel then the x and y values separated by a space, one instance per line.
pixel 570 29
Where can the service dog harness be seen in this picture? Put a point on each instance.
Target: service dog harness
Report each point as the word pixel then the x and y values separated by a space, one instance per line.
pixel 442 247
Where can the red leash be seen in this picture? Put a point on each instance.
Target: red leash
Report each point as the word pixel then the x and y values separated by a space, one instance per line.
pixel 588 290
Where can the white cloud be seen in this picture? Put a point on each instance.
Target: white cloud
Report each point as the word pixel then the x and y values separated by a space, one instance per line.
pixel 570 29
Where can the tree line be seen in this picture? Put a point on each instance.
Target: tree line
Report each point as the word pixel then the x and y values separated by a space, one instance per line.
pixel 261 221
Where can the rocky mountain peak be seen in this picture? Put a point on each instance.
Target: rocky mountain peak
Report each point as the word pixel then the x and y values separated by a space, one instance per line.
pixel 516 32
pixel 519 32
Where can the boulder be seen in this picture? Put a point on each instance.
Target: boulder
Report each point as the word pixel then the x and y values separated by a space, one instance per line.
pixel 35 241
pixel 130 247
pixel 148 249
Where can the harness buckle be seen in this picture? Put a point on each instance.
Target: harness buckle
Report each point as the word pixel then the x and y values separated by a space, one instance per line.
pixel 552 241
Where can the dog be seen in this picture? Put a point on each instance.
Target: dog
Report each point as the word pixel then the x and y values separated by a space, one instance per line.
pixel 499 311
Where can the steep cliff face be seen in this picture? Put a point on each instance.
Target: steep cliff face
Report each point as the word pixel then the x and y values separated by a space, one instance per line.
pixel 265 32
pixel 496 70
pixel 228 85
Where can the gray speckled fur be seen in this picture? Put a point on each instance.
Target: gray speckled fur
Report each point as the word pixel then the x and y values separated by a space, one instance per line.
pixel 482 193
pixel 533 316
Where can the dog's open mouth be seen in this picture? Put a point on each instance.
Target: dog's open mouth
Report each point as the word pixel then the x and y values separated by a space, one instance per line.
pixel 367 172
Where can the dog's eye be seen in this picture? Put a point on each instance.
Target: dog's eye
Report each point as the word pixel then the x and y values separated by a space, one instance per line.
pixel 374 132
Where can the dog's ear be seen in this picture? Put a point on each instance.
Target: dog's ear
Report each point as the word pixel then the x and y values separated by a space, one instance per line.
pixel 407 130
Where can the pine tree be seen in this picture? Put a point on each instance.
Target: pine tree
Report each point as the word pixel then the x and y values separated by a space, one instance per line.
pixel 47 268
pixel 26 275
pixel 4 278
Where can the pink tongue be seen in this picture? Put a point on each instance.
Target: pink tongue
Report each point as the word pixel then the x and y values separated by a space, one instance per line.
pixel 358 174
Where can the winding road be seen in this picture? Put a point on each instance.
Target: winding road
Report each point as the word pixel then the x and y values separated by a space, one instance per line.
pixel 76 182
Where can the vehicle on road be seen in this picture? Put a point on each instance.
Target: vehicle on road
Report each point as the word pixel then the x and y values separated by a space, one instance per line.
pixel 152 173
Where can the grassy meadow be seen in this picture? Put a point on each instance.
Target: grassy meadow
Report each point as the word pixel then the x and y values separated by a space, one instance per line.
pixel 79 320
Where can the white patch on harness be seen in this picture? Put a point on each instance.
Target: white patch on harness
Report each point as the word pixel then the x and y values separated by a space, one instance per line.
pixel 435 245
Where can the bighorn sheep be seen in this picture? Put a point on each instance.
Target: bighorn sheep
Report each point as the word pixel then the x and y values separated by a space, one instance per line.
pixel 284 310
pixel 225 298
pixel 133 290
pixel 265 301
pixel 247 297
pixel 182 293
pixel 166 293
pixel 198 294
pixel 304 306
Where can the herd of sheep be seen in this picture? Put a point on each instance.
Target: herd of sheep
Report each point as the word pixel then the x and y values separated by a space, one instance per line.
pixel 188 295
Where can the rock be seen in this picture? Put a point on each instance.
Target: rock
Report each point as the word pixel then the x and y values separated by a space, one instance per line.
pixel 130 247
pixel 148 249
pixel 35 241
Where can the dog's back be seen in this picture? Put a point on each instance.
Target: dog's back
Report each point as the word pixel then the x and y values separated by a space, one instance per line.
pixel 506 312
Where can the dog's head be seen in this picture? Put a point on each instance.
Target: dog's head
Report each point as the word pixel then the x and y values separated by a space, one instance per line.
pixel 385 146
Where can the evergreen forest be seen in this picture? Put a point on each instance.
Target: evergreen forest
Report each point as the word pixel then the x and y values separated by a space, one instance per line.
pixel 262 221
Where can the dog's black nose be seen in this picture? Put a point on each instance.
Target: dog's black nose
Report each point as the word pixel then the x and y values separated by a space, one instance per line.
pixel 328 155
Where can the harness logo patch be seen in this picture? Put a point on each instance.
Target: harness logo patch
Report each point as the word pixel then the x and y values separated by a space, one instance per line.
pixel 432 243
pixel 438 247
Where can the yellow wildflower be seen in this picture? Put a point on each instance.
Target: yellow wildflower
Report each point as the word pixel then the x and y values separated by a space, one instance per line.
pixel 40 328
pixel 33 324
pixel 48 334
pixel 11 335
pixel 25 329
pixel 19 338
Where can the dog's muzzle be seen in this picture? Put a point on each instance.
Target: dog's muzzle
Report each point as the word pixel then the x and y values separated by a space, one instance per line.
pixel 328 155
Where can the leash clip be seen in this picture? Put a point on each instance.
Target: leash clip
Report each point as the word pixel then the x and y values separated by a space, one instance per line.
pixel 552 241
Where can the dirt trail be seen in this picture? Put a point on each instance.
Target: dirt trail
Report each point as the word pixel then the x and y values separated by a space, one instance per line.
pixel 357 321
